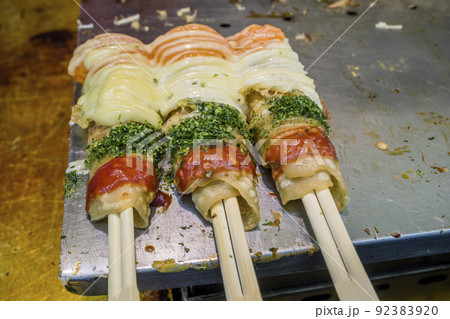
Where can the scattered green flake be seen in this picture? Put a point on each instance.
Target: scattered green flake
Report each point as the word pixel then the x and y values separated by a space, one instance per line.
pixel 208 173
pixel 71 183
pixel 186 249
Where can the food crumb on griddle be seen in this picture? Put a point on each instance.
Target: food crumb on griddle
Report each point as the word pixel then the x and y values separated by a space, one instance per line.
pixel 382 146
pixel 125 20
pixel 162 14
pixel 77 268
pixel 274 251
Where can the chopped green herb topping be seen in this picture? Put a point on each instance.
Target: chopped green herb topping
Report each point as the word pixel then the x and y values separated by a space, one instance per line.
pixel 213 121
pixel 285 107
pixel 71 183
pixel 116 141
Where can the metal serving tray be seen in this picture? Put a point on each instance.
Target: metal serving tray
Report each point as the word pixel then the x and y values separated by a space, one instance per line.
pixel 378 85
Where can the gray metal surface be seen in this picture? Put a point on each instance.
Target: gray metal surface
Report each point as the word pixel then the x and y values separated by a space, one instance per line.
pixel 378 85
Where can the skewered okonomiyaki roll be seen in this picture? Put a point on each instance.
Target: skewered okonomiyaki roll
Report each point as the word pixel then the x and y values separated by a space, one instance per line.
pixel 195 68
pixel 286 116
pixel 122 174
pixel 219 170
pixel 119 103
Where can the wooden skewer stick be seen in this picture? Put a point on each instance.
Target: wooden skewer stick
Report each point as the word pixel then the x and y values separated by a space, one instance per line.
pixel 346 248
pixel 115 264
pixel 244 262
pixel 342 282
pixel 129 284
pixel 228 267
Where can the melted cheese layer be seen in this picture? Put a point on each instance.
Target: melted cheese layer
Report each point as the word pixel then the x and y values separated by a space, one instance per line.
pixel 120 93
pixel 126 80
pixel 275 67
pixel 200 78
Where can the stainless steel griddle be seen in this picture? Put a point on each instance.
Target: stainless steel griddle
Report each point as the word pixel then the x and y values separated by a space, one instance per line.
pixel 378 85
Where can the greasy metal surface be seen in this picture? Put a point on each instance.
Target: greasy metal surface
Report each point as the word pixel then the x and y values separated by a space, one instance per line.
pixel 378 85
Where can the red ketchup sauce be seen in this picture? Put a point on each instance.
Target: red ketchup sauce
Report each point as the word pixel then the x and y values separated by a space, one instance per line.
pixel 302 142
pixel 208 160
pixel 162 200
pixel 116 173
